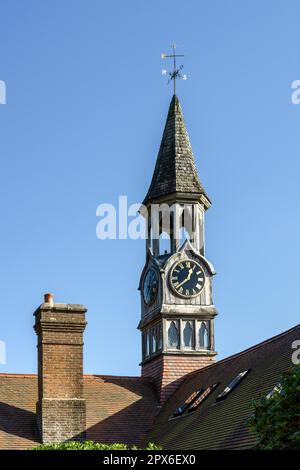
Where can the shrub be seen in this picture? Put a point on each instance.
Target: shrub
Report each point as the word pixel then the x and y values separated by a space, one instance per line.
pixel 276 419
pixel 90 445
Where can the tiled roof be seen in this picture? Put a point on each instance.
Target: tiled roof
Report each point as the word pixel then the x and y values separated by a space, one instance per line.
pixel 119 409
pixel 18 396
pixel 175 169
pixel 223 424
pixel 124 409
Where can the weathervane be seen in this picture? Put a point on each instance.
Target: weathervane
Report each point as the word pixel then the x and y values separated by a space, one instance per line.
pixel 176 73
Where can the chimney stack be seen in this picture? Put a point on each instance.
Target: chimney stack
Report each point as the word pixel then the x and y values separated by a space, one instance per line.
pixel 61 410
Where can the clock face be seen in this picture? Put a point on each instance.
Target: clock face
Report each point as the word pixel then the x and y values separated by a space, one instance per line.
pixel 187 278
pixel 150 286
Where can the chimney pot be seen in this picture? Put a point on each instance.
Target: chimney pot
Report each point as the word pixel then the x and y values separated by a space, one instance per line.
pixel 49 299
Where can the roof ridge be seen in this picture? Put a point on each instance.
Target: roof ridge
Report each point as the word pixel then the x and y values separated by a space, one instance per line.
pixel 245 351
pixel 16 375
pixel 87 376
pixel 100 376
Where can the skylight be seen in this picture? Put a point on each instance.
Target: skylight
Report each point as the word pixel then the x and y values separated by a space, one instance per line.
pixel 188 402
pixel 232 385
pixel 200 398
pixel 193 401
pixel 274 391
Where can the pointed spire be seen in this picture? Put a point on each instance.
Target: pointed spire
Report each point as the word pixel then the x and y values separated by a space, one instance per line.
pixel 175 170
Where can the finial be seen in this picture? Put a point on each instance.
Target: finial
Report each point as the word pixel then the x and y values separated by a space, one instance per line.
pixel 176 73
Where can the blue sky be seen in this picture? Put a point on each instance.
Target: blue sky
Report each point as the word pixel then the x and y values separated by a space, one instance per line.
pixel 86 106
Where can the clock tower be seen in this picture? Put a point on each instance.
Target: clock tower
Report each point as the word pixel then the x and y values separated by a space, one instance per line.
pixel 177 311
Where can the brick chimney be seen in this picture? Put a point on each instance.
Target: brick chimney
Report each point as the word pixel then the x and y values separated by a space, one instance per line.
pixel 61 411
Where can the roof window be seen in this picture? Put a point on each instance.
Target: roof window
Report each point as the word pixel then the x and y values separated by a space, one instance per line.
pixel 274 391
pixel 232 385
pixel 200 398
pixel 193 401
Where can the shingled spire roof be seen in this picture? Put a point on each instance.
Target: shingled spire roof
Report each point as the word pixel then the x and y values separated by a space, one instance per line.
pixel 175 169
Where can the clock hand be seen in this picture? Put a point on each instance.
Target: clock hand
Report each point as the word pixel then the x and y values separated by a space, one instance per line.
pixel 187 278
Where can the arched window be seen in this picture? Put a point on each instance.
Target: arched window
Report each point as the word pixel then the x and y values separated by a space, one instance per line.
pixel 185 228
pixel 183 236
pixel 203 335
pixel 153 340
pixel 164 243
pixel 146 343
pixel 173 335
pixel 159 337
pixel 188 335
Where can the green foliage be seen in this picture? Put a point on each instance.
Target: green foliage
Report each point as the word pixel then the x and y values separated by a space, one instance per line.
pixel 276 419
pixel 90 445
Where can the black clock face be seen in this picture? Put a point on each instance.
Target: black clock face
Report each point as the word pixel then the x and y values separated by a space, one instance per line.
pixel 187 278
pixel 150 286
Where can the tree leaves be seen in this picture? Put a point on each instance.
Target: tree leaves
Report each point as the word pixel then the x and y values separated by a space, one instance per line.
pixel 276 418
